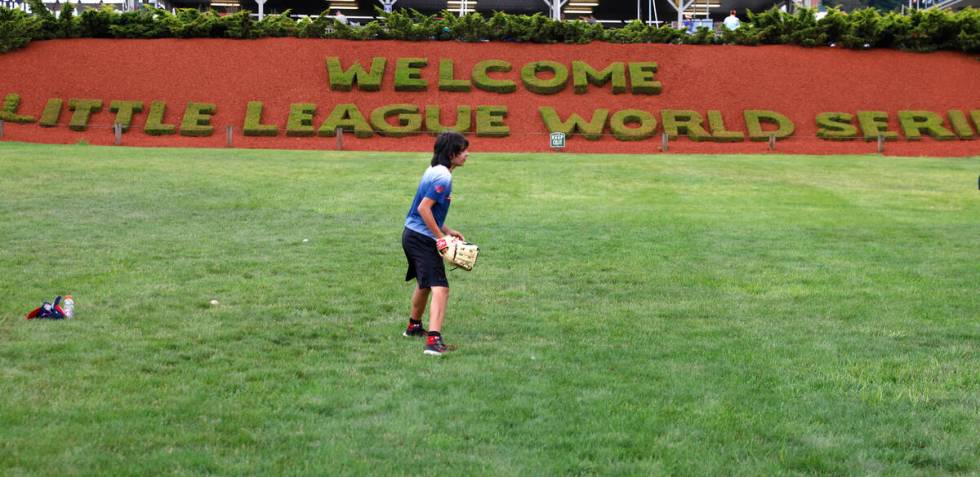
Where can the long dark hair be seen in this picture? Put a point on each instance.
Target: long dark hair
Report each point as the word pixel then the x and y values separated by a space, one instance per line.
pixel 448 145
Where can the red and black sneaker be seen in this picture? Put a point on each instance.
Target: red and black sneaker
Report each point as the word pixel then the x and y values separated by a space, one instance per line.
pixel 434 346
pixel 415 330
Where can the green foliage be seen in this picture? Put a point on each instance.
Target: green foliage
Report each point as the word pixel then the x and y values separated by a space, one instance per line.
pixel 67 26
pixel 433 123
pixel 579 32
pixel 637 31
pixel 482 80
pixel 921 30
pixel 51 113
pixel 575 124
pixel 17 29
pixel 347 117
pixel 253 122
pixel 802 29
pixel 9 111
pixel 553 85
pixel 446 80
pixel 124 112
pixel 490 121
pixel 343 80
pixel 83 110
pixel 583 74
pixel 836 126
pixel 300 121
pixel 701 36
pixel 154 120
pixel 409 24
pixel 97 22
pixel 754 119
pixel 469 28
pixel 864 28
pixel 407 115
pixel 646 124
pixel 147 22
pixel 684 122
pixel 535 28
pixel 960 124
pixel 930 29
pixel 47 22
pixel 874 124
pixel 642 79
pixel 747 34
pixel 834 24
pixel 716 124
pixel 197 120
pixel 770 25
pixel 914 123
pixel 192 23
pixel 408 74
pixel 280 25
pixel 240 25
pixel 968 38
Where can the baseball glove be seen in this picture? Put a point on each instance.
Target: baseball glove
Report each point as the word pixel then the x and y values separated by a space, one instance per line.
pixel 457 252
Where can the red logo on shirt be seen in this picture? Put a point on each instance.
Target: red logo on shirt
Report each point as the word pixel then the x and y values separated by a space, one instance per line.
pixel 439 189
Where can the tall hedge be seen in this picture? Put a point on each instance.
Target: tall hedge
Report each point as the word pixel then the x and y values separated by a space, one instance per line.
pixel 920 30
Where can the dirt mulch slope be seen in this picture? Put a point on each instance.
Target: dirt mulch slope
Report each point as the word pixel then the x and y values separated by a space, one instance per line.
pixel 797 82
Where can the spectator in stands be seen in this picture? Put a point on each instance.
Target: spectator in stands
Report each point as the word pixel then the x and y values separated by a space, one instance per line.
pixel 340 17
pixel 732 22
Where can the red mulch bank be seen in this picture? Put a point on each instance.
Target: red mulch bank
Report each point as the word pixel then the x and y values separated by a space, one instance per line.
pixel 797 82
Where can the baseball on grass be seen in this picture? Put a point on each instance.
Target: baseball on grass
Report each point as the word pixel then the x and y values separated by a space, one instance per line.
pixel 214 302
pixel 306 240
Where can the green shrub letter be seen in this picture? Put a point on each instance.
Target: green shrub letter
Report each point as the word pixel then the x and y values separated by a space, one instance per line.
pixel 348 117
pixel 124 112
pixel 446 80
pixel 583 75
pixel 875 123
pixel 433 123
pixel 341 80
pixel 300 121
pixel 534 84
pixel 482 79
pixel 83 110
pixel 409 120
pixel 490 121
pixel 754 119
pixel 688 123
pixel 154 120
pixel 408 74
pixel 253 122
pixel 836 126
pixel 591 130
pixel 619 120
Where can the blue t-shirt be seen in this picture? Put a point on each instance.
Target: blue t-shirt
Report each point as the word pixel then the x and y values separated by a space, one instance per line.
pixel 436 184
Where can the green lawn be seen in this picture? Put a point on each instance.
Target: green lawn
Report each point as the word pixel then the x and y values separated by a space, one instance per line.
pixel 629 315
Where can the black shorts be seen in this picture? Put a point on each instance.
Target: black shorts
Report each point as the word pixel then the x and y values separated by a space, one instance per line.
pixel 424 262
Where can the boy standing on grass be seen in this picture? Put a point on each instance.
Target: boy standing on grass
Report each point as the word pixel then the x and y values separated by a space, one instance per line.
pixel 422 239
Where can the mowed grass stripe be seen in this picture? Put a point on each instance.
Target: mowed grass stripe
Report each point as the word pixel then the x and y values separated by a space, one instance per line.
pixel 630 315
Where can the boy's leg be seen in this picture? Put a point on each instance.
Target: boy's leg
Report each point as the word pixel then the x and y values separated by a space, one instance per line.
pixel 437 311
pixel 419 297
pixel 414 327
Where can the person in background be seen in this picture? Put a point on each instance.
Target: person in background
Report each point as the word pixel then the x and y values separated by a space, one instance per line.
pixel 340 17
pixel 732 22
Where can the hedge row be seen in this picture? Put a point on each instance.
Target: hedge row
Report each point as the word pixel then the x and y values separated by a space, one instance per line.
pixel 921 30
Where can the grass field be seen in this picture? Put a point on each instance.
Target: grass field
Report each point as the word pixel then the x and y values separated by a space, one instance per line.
pixel 630 315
